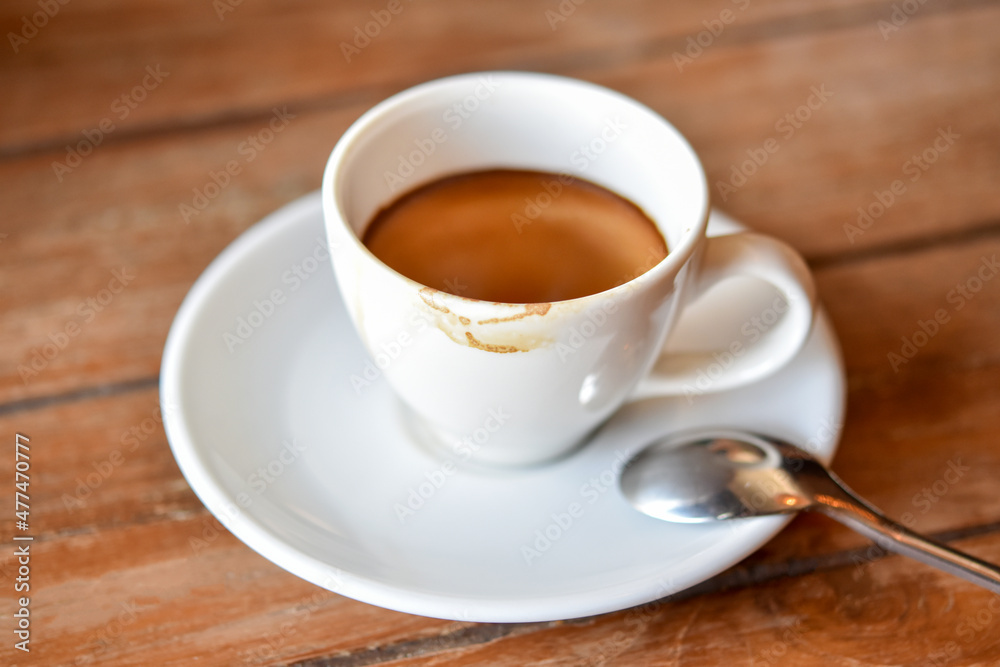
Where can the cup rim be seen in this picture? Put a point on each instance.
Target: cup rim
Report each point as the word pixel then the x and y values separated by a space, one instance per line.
pixel 677 257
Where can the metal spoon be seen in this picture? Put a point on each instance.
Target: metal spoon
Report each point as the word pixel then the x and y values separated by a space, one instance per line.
pixel 705 476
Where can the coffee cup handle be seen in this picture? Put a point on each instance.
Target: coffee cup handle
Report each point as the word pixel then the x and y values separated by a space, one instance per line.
pixel 743 254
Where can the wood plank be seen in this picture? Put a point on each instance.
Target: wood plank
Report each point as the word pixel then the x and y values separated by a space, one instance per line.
pixel 94 54
pixel 112 469
pixel 926 309
pixel 152 601
pixel 182 591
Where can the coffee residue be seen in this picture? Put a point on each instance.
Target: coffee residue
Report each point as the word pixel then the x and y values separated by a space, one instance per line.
pixel 427 295
pixel 529 309
pixel 490 347
pixel 459 328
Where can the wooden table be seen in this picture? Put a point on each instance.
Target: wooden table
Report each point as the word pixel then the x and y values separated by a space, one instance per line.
pixel 115 115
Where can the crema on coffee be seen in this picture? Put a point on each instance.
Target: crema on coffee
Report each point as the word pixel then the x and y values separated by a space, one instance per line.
pixel 515 236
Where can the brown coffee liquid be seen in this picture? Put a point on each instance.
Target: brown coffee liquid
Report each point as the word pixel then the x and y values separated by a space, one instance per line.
pixel 515 237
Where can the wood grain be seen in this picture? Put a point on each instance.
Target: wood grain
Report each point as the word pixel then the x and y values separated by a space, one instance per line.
pixel 128 566
pixel 108 215
pixel 95 53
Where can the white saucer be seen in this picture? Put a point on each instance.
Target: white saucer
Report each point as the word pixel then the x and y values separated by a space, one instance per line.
pixel 553 542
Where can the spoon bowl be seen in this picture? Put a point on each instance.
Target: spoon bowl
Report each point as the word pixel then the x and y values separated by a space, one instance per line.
pixel 722 474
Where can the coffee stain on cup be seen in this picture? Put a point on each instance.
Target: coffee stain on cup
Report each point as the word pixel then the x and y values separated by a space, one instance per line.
pixel 499 335
pixel 490 347
pixel 540 309
pixel 427 296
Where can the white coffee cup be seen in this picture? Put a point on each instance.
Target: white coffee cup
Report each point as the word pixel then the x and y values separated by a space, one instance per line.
pixel 518 384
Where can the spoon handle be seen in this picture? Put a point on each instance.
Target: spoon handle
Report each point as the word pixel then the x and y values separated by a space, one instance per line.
pixel 855 513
